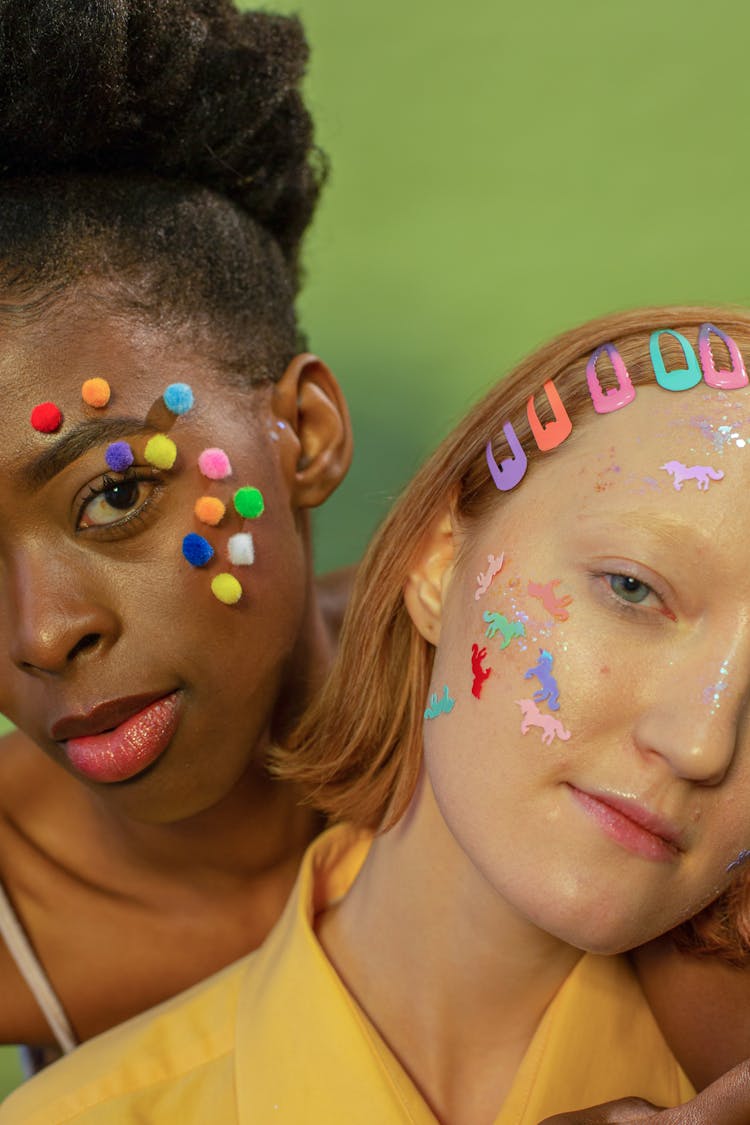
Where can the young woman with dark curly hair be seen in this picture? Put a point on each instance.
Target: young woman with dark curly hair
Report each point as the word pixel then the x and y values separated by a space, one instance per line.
pixel 157 174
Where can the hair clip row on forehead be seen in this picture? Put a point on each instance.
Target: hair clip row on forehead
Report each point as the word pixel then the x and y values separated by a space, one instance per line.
pixel 511 470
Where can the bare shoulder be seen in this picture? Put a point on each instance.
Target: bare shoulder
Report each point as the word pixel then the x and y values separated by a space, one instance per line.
pixel 702 1006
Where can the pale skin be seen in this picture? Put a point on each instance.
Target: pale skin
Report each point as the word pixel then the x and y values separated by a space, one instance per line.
pixel 655 616
pixel 132 891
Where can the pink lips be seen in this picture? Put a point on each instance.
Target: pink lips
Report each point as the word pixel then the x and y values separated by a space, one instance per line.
pixel 140 732
pixel 633 827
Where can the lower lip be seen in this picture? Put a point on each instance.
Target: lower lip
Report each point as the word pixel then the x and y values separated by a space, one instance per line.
pixel 623 830
pixel 130 748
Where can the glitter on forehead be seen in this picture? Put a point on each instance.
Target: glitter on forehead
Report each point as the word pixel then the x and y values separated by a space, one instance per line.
pixel 728 433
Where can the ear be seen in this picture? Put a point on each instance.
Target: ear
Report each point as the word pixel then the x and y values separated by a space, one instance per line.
pixel 309 399
pixel 426 586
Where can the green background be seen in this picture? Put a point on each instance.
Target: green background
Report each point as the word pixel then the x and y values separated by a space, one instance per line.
pixel 501 172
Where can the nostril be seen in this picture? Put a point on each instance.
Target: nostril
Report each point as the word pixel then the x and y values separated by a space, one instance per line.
pixel 90 640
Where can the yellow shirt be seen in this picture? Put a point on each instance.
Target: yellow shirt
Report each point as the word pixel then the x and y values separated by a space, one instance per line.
pixel 275 1039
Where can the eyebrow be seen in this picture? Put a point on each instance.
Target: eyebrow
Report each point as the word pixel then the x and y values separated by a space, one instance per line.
pixel 664 529
pixel 72 445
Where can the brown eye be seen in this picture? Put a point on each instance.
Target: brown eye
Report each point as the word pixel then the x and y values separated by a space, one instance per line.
pixel 114 500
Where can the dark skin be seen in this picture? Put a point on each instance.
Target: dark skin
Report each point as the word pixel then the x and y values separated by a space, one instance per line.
pixel 133 890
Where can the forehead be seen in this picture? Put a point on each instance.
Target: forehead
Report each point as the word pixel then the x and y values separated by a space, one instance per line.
pixel 49 358
pixel 631 460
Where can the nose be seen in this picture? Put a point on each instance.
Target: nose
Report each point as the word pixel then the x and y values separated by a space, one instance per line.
pixel 55 620
pixel 698 712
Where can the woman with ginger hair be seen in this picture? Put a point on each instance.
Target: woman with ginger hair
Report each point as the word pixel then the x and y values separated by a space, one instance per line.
pixel 452 950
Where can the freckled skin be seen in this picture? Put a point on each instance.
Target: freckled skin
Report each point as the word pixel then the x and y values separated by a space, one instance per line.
pixel 132 891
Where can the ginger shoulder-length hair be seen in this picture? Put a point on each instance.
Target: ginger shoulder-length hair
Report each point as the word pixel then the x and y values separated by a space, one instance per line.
pixel 358 750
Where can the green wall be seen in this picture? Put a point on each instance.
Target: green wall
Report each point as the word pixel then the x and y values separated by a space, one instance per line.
pixel 501 172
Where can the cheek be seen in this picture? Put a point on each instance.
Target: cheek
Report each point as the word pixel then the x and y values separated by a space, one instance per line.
pixel 174 600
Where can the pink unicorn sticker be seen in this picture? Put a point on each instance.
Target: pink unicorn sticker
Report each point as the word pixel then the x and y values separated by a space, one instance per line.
pixel 701 473
pixel 546 594
pixel 549 725
pixel 484 580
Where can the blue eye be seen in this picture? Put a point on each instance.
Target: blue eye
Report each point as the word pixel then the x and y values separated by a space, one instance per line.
pixel 631 590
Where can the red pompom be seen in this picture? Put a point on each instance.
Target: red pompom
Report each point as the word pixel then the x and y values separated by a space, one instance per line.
pixel 46 418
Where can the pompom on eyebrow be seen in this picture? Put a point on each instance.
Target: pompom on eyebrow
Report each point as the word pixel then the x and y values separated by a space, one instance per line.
pixel 74 443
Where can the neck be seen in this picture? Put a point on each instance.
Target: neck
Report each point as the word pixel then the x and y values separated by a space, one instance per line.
pixel 258 827
pixel 458 1009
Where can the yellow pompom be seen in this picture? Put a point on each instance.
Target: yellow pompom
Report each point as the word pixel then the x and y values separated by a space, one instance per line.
pixel 226 588
pixel 210 510
pixel 96 392
pixel 160 451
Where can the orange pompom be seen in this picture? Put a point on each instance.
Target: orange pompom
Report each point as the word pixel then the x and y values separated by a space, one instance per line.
pixel 96 392
pixel 210 510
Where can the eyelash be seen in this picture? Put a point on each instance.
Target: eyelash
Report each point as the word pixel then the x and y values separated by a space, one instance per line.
pixel 629 608
pixel 131 523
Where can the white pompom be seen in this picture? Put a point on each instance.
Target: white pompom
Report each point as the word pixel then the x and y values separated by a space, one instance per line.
pixel 241 549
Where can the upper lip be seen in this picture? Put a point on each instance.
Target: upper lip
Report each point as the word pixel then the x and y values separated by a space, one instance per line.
pixel 103 716
pixel 655 823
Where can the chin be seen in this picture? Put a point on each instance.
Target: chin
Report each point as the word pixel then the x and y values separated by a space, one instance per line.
pixel 152 798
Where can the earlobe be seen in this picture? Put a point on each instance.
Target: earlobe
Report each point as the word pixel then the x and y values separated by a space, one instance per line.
pixel 425 588
pixel 309 399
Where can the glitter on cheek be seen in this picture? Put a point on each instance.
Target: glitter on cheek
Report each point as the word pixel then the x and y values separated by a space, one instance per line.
pixel 712 694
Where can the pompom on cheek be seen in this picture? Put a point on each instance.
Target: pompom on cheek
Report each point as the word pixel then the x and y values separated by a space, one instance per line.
pixel 214 464
pixel 241 549
pixel 226 589
pixel 210 510
pixel 197 550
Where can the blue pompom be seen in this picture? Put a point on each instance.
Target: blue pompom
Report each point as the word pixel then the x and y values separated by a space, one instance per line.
pixel 197 550
pixel 179 397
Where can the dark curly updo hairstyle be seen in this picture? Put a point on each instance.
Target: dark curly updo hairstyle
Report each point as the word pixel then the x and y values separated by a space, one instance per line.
pixel 162 149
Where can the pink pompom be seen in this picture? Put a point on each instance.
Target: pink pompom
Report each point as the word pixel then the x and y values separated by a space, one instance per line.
pixel 214 464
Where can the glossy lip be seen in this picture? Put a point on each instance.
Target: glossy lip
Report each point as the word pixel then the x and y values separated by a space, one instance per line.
pixel 103 717
pixel 126 750
pixel 633 826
